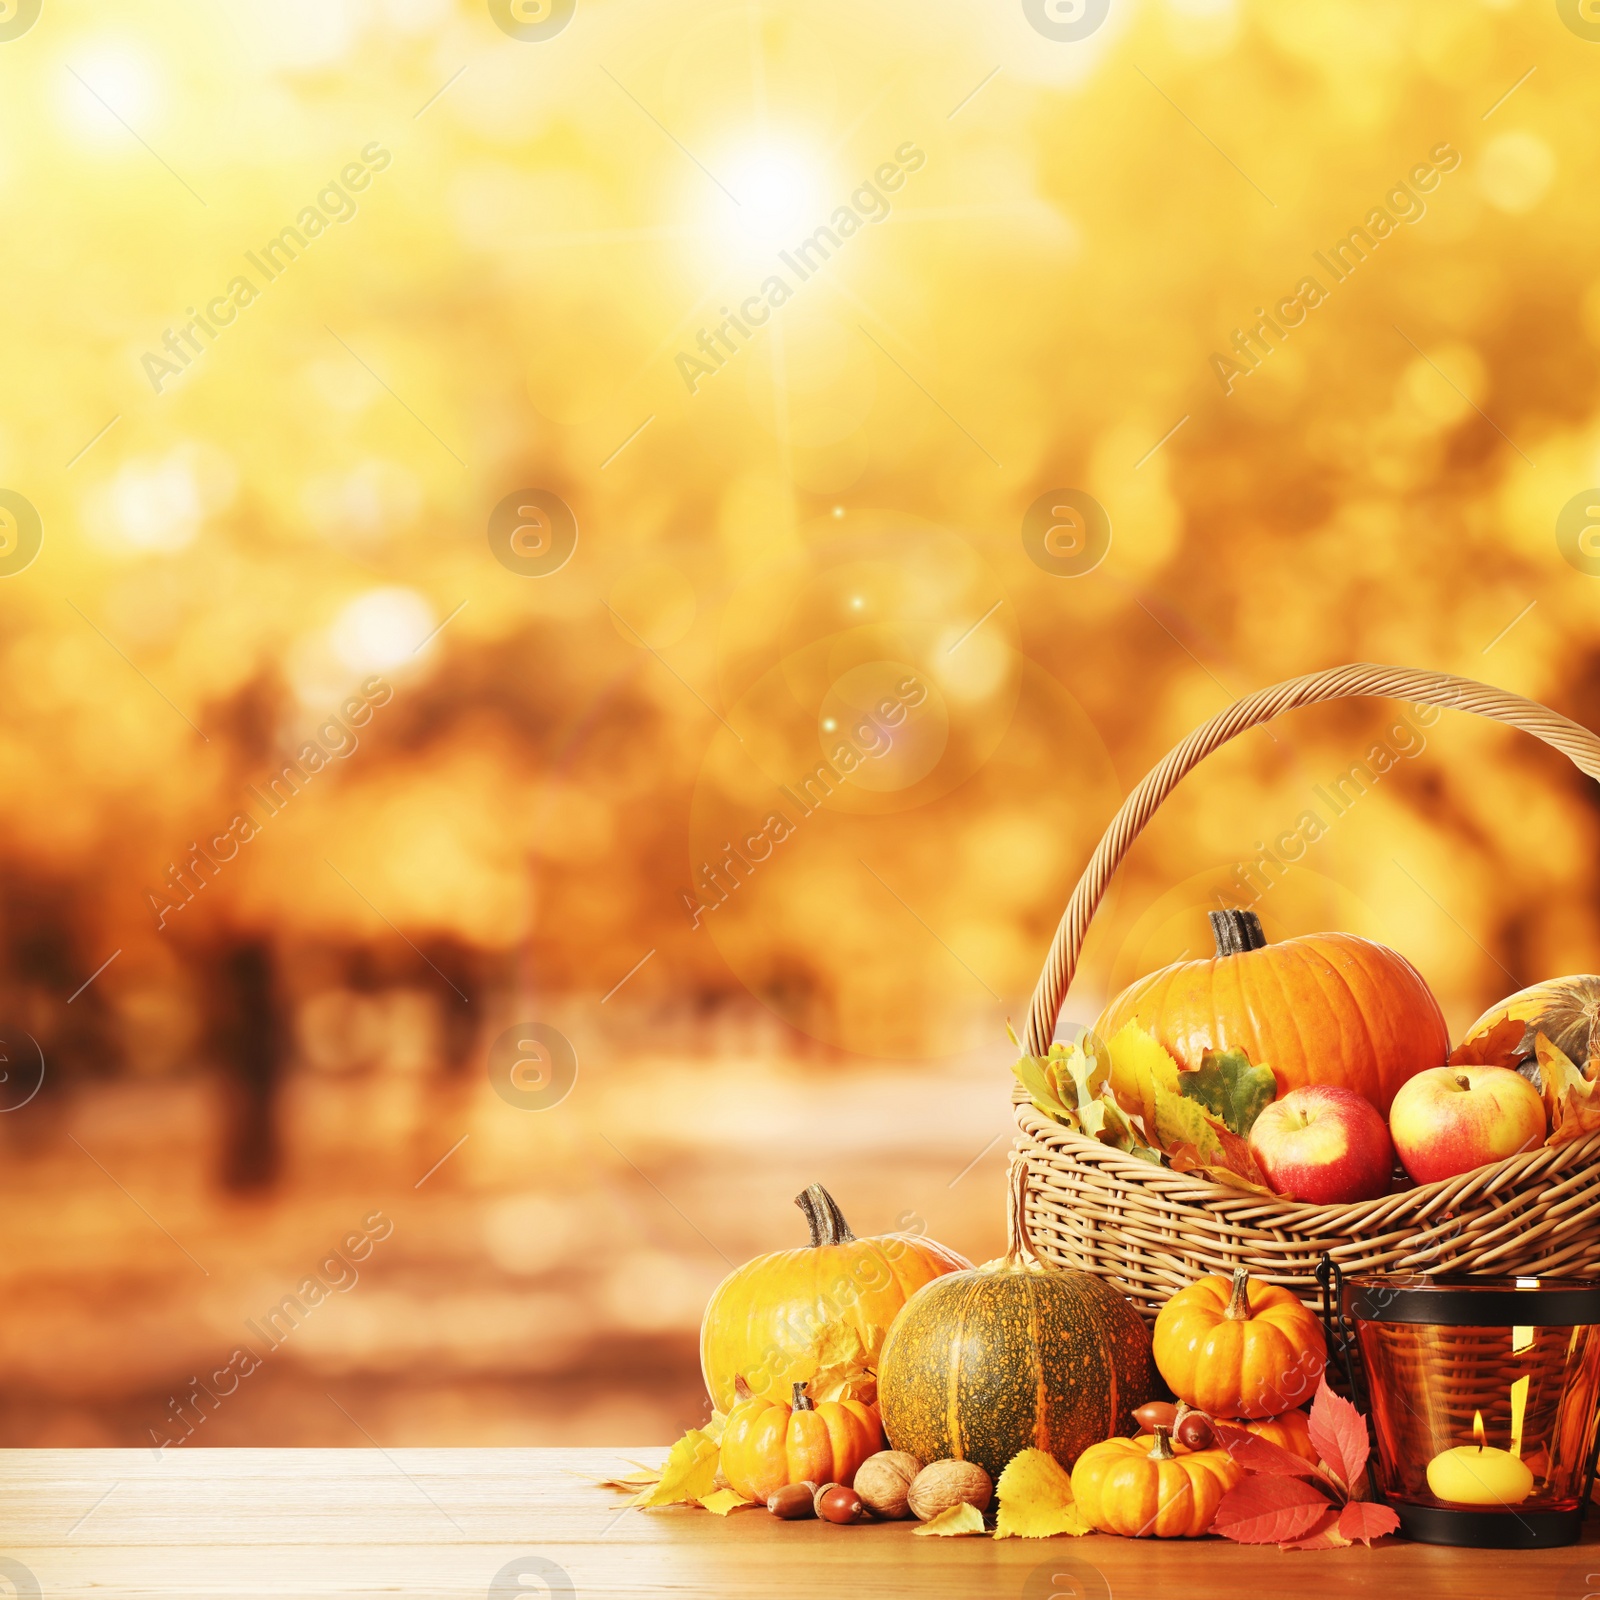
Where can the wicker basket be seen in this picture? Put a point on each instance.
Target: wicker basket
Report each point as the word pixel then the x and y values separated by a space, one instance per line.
pixel 1151 1231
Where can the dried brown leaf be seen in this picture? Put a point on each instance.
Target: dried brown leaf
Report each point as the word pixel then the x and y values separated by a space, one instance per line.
pixel 1501 1046
pixel 1571 1101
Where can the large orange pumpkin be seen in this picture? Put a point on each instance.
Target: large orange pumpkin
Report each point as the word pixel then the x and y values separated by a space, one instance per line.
pixel 764 1319
pixel 766 1445
pixel 1318 1008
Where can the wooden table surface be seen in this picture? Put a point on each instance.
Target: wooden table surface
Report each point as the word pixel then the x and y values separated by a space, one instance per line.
pixel 463 1522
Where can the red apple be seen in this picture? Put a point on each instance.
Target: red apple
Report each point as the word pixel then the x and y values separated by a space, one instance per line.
pixel 1324 1144
pixel 1447 1120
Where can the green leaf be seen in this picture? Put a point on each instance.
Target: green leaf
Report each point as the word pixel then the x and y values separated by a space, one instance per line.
pixel 1230 1088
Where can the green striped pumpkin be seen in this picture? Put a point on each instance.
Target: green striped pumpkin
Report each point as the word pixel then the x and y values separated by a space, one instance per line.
pixel 982 1364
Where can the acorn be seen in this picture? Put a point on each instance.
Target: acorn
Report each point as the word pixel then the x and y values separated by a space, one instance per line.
pixel 943 1484
pixel 837 1503
pixel 1193 1429
pixel 793 1501
pixel 883 1480
pixel 1155 1414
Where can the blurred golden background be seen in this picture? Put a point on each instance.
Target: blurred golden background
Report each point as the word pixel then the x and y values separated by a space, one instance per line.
pixel 563 654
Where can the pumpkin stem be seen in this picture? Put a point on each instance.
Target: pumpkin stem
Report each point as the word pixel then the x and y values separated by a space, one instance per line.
pixel 802 1401
pixel 1019 1248
pixel 741 1389
pixel 823 1217
pixel 1236 932
pixel 1162 1449
pixel 1238 1307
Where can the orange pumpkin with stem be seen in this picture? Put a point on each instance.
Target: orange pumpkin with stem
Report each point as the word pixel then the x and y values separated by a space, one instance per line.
pixel 1319 1008
pixel 1239 1348
pixel 764 1319
pixel 767 1445
pixel 1137 1487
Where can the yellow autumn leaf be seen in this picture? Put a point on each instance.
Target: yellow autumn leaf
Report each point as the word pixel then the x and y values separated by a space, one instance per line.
pixel 1092 1119
pixel 690 1472
pixel 954 1520
pixel 642 1477
pixel 722 1501
pixel 862 1386
pixel 1180 1121
pixel 1035 1495
pixel 1139 1066
pixel 1086 1065
pixel 839 1344
pixel 1034 1074
pixel 844 1364
pixel 872 1337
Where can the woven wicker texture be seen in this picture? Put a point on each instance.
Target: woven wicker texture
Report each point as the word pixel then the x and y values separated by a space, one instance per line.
pixel 1152 1231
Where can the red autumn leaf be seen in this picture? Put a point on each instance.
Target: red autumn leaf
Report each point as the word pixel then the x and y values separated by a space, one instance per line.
pixel 1363 1520
pixel 1261 1510
pixel 1326 1534
pixel 1339 1435
pixel 1501 1046
pixel 1256 1454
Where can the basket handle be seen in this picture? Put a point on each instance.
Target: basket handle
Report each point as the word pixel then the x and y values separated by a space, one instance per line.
pixel 1573 740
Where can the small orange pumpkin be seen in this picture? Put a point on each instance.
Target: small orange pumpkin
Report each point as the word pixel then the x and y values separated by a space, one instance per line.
pixel 767 1445
pixel 765 1318
pixel 1239 1349
pixel 1142 1486
pixel 1318 1008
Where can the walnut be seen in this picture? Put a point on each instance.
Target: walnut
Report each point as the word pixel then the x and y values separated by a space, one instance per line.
pixel 943 1484
pixel 882 1481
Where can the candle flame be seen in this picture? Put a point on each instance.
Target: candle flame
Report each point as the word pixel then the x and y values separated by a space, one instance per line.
pixel 1477 1428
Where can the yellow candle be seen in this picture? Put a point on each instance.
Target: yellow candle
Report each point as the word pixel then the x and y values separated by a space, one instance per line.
pixel 1478 1475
